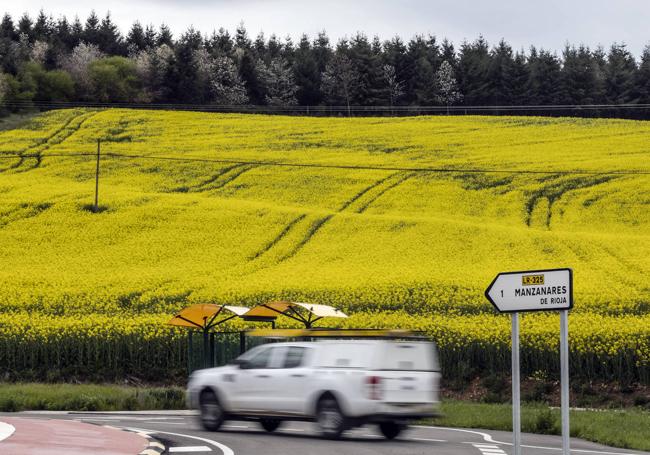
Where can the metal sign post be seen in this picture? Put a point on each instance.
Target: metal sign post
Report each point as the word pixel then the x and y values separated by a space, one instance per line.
pixel 564 380
pixel 516 402
pixel 535 290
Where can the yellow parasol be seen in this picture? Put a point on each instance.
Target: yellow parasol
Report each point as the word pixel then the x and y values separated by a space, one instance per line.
pixel 205 316
pixel 306 313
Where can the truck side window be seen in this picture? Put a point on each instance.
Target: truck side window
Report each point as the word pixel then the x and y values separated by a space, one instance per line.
pixel 260 360
pixel 294 357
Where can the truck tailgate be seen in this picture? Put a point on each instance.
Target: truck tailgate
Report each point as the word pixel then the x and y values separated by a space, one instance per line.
pixel 408 386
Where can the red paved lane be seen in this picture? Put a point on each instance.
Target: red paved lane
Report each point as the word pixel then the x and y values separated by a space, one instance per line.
pixel 65 437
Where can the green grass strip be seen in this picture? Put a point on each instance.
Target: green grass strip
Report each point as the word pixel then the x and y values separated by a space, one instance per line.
pixel 626 428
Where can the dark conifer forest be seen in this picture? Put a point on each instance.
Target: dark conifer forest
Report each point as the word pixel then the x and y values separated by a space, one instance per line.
pixel 44 61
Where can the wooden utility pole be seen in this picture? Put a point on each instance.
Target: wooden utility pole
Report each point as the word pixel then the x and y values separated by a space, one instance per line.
pixel 96 208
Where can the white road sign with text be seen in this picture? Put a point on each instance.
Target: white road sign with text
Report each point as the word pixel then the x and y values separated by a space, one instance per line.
pixel 535 290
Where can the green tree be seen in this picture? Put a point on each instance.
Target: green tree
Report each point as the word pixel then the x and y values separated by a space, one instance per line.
pixel 306 74
pixel 7 29
pixel 221 44
pixel 338 78
pixel 135 40
pixel 500 75
pixel 322 51
pixel 279 84
pixel 91 29
pixel 110 38
pixel 43 27
pixel 643 77
pixel 544 78
pixel 423 86
pixel 472 73
pixel 114 79
pixel 582 76
pixel 422 62
pixel 164 36
pixel 367 85
pixel 25 27
pixel 227 86
pixel 48 86
pixel 620 75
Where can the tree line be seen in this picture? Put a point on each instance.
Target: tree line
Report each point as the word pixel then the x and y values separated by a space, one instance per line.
pixel 43 60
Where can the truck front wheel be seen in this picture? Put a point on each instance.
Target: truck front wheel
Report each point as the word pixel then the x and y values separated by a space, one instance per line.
pixel 212 413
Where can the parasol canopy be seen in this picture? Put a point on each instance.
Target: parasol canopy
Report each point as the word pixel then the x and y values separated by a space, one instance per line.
pixel 306 313
pixel 205 316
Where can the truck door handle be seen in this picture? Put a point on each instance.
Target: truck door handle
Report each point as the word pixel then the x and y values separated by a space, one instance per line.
pixel 263 376
pixel 297 375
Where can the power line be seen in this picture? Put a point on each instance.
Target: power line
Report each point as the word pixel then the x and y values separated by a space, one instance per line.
pixel 331 166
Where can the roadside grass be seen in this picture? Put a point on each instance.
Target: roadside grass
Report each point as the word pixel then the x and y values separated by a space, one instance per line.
pixel 88 397
pixel 625 428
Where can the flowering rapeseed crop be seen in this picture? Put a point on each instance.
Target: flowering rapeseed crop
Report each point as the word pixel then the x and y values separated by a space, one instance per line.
pixel 399 247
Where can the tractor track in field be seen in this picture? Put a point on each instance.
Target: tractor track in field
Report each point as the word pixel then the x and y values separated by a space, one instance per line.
pixel 279 237
pixel 22 212
pixel 384 189
pixel 361 193
pixel 306 226
pixel 57 137
pixel 554 191
pixel 217 181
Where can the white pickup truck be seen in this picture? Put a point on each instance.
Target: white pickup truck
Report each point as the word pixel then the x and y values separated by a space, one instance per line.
pixel 338 384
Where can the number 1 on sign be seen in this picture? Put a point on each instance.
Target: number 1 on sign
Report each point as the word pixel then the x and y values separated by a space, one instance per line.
pixel 501 292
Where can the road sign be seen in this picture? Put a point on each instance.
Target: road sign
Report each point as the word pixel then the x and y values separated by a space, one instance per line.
pixel 534 290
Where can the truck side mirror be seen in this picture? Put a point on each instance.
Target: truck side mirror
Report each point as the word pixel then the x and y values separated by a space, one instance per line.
pixel 243 364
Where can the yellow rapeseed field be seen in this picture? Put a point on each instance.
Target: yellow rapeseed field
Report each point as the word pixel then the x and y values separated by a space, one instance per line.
pixel 201 211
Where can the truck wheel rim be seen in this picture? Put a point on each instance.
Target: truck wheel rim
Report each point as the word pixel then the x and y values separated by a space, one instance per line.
pixel 330 419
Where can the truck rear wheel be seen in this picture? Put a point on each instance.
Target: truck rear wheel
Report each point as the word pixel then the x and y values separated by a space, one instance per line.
pixel 390 430
pixel 330 418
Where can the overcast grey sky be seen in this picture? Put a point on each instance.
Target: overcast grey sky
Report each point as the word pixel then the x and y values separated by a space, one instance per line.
pixel 549 23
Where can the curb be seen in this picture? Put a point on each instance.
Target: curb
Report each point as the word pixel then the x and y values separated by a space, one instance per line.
pixel 153 447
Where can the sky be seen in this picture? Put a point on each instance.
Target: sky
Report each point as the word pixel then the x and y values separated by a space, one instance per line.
pixel 548 24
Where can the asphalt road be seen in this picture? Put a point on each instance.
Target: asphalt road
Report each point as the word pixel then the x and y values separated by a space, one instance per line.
pixel 181 433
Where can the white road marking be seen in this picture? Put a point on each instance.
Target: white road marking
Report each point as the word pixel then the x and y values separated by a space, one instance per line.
pixel 80 416
pixel 293 429
pixel 236 426
pixel 488 438
pixel 6 430
pixel 489 450
pixel 428 439
pixel 224 448
pixel 171 423
pixel 190 449
pixel 94 420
